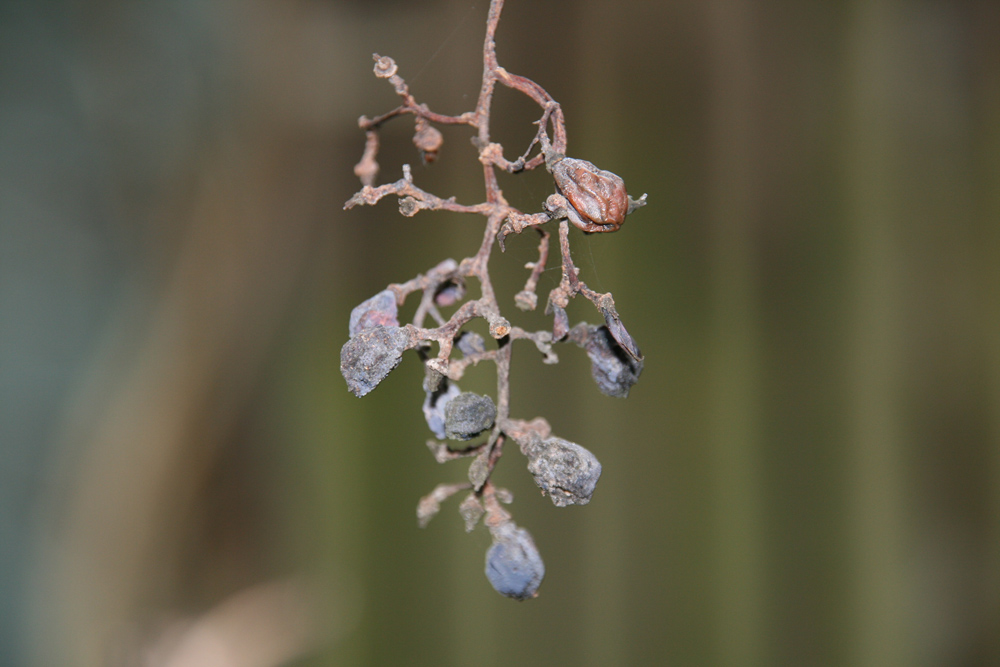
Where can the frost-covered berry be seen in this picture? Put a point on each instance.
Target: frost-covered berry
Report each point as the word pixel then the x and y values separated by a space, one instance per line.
pixel 436 402
pixel 371 355
pixel 564 470
pixel 467 415
pixel 613 370
pixel 513 564
pixel 471 343
pixel 380 310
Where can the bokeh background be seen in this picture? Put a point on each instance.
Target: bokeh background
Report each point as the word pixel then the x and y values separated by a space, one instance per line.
pixel 808 472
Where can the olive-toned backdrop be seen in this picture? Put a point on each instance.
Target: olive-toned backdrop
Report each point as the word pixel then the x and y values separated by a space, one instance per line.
pixel 808 472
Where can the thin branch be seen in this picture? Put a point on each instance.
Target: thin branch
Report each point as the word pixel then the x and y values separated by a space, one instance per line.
pixel 593 200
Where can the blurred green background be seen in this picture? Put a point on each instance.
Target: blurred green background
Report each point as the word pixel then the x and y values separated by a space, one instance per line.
pixel 808 472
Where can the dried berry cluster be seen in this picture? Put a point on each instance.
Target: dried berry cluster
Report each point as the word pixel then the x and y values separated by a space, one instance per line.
pixel 594 201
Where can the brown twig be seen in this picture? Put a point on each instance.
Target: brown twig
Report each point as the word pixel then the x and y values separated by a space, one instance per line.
pixel 591 199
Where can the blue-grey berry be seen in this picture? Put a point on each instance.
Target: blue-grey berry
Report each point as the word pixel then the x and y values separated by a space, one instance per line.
pixel 564 470
pixel 613 369
pixel 435 403
pixel 471 343
pixel 380 310
pixel 513 564
pixel 371 355
pixel 467 415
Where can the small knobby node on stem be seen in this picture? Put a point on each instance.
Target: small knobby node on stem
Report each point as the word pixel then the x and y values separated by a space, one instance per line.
pixel 591 199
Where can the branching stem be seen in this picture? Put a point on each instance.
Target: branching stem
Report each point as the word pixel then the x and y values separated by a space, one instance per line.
pixel 444 286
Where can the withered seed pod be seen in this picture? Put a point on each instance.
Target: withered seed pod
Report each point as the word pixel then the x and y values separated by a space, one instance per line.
pixel 598 196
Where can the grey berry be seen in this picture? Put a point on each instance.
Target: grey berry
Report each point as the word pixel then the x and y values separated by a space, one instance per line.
pixel 435 404
pixel 513 564
pixel 564 470
pixel 613 370
pixel 471 343
pixel 467 415
pixel 380 310
pixel 371 355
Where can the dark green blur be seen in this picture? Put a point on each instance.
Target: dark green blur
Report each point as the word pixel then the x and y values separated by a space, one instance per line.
pixel 807 472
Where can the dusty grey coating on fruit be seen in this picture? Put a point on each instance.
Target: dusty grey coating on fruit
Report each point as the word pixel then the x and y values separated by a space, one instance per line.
pixel 513 564
pixel 468 415
pixel 380 310
pixel 371 355
pixel 613 370
pixel 565 471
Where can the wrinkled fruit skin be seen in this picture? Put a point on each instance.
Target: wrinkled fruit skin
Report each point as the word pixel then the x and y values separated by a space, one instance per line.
pixel 565 471
pixel 367 358
pixel 598 196
pixel 468 415
pixel 613 370
pixel 513 564
pixel 378 311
